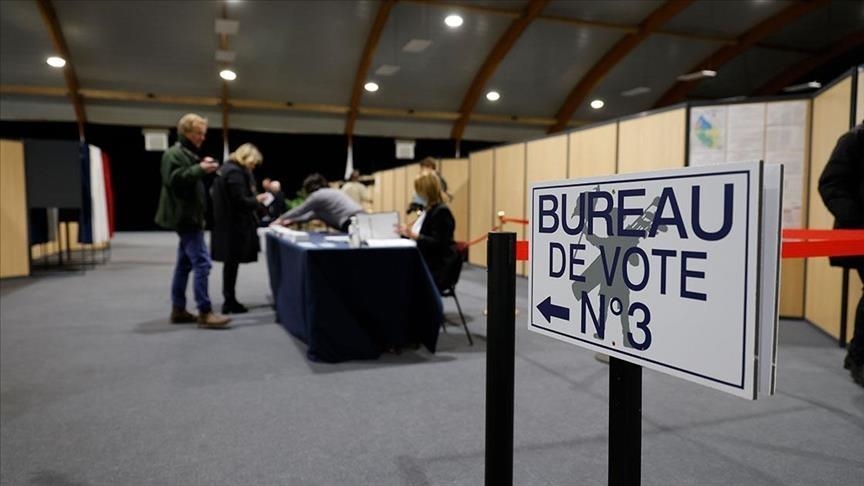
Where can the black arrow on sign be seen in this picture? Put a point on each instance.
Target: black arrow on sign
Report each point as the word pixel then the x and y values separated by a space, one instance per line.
pixel 550 310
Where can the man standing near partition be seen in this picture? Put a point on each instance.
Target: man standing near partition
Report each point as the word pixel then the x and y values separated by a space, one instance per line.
pixel 842 189
pixel 181 208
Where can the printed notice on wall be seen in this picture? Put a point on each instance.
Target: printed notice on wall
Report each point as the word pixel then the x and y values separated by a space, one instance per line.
pixel 774 132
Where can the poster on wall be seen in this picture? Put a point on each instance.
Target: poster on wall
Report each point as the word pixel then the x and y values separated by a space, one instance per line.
pixel 707 135
pixel 774 132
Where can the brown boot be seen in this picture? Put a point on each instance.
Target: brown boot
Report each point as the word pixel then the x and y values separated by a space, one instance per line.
pixel 182 316
pixel 211 320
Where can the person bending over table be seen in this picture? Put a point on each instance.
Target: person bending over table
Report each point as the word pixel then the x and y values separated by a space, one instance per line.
pixel 332 206
pixel 435 235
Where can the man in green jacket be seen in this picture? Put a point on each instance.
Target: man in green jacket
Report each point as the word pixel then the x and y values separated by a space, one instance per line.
pixel 181 208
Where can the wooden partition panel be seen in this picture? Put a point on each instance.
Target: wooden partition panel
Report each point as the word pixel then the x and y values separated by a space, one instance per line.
pixel 387 191
pixel 593 152
pixel 509 194
pixel 823 287
pixel 375 193
pixel 400 192
pixel 14 250
pixel 455 172
pixel 652 142
pixel 480 212
pixel 545 160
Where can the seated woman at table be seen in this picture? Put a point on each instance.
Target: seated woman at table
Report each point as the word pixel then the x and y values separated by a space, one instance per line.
pixel 332 206
pixel 435 234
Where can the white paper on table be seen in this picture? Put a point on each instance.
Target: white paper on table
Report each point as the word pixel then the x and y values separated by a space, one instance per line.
pixel 337 238
pixel 391 243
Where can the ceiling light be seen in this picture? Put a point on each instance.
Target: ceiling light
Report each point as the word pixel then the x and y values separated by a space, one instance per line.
pixel 56 62
pixel 453 21
pixel 705 73
pixel 803 87
pixel 636 91
pixel 493 96
pixel 371 86
pixel 227 75
pixel 597 104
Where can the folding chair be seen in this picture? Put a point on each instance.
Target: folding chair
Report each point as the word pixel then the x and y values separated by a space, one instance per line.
pixel 448 289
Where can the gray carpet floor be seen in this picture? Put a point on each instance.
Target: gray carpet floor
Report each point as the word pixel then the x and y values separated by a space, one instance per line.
pixel 98 389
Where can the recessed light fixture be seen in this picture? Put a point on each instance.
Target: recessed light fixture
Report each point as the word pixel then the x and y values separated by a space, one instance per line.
pixel 371 86
pixel 705 73
pixel 56 62
pixel 597 104
pixel 493 96
pixel 803 87
pixel 416 45
pixel 227 75
pixel 639 90
pixel 453 21
pixel 387 70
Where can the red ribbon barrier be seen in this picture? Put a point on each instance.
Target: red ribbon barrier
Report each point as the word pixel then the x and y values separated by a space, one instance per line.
pixel 796 243
pixel 804 243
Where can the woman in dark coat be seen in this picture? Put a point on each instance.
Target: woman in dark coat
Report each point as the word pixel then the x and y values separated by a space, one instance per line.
pixel 234 239
pixel 435 235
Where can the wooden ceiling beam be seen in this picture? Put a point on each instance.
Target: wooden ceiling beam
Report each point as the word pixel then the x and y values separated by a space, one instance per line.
pixel 245 104
pixel 224 101
pixel 490 65
pixel 799 69
pixel 52 23
pixel 680 89
pixel 611 59
pixel 365 62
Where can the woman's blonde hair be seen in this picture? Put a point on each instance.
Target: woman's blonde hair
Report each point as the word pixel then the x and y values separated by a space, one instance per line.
pixel 247 155
pixel 427 186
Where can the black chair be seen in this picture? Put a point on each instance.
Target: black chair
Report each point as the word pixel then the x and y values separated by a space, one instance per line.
pixel 447 288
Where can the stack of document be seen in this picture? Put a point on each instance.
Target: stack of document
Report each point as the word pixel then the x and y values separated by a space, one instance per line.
pixel 288 234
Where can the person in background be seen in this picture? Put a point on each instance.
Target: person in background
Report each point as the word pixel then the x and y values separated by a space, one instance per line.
pixel 417 203
pixel 355 189
pixel 277 207
pixel 331 206
pixel 841 186
pixel 436 226
pixel 181 208
pixel 235 220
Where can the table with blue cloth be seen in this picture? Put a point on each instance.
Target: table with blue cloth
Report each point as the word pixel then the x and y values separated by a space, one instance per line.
pixel 352 303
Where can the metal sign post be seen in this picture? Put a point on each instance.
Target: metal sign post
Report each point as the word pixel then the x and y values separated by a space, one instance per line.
pixel 500 352
pixel 625 423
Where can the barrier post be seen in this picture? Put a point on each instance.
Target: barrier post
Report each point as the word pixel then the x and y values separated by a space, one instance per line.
pixel 844 308
pixel 500 352
pixel 625 423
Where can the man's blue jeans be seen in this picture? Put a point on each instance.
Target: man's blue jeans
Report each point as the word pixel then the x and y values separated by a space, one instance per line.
pixel 192 255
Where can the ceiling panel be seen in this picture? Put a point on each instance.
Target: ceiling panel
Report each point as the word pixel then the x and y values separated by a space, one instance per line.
pixel 544 66
pixel 438 77
pixel 25 45
pixel 823 27
pixel 626 12
pixel 654 64
pixel 746 73
pixel 725 18
pixel 299 51
pixel 141 46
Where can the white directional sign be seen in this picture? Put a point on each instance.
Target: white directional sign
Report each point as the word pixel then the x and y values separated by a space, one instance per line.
pixel 662 269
